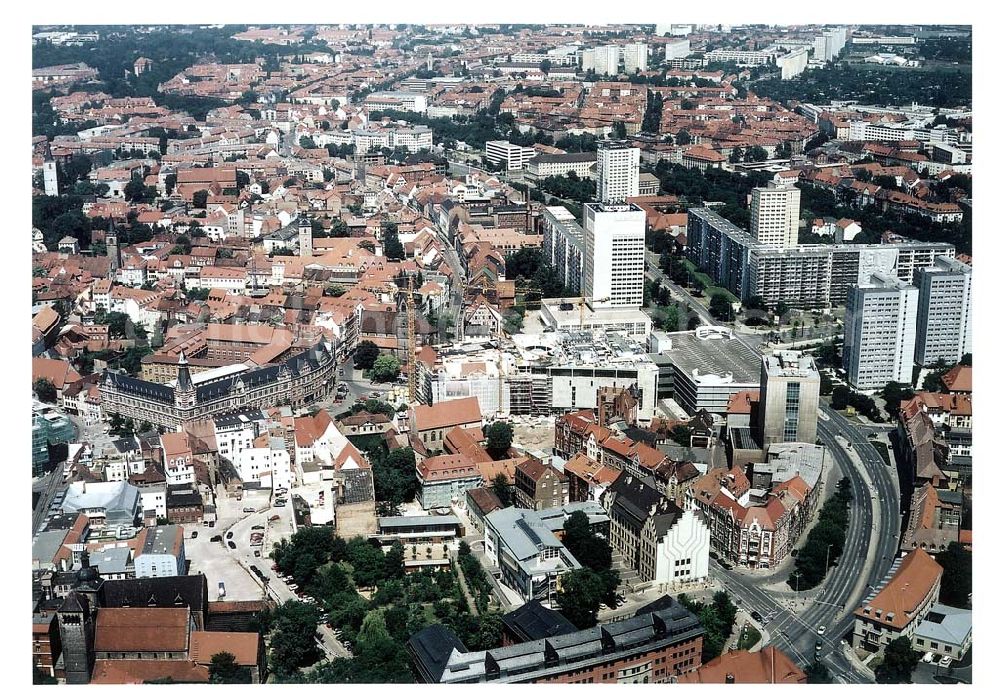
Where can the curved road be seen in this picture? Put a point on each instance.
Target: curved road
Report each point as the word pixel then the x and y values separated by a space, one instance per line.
pixel 874 514
pixel 864 563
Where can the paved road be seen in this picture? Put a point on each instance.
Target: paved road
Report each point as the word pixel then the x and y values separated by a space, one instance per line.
pixel 653 271
pixel 49 485
pixel 864 563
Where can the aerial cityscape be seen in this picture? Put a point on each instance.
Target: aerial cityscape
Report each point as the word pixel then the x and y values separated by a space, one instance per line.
pixel 501 353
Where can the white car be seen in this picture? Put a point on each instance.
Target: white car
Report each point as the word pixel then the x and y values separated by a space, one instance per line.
pixel 945 661
pixel 821 630
pixel 927 658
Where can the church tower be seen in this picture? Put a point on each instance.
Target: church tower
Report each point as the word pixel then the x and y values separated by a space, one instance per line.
pixel 305 238
pixel 185 394
pixel 50 174
pixel 113 249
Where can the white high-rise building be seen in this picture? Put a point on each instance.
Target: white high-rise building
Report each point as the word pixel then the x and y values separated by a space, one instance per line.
pixel 614 238
pixel 880 332
pixel 603 60
pixel 943 318
pixel 774 215
pixel 617 172
pixel 635 56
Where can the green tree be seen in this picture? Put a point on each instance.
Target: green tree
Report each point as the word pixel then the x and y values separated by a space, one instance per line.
pixel 503 490
pixel 898 663
pixel 200 199
pixel 368 562
pixel 818 673
pixel 956 580
pixel 224 669
pixel 365 354
pixel 580 595
pixel 755 153
pixel 373 628
pixel 841 397
pixel 683 138
pixel 44 390
pixel 395 477
pixel 385 369
pixel 293 643
pixel 893 393
pixel 392 246
pixel 499 437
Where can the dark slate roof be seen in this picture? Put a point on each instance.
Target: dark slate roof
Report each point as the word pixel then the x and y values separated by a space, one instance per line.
pixel 125 444
pixel 534 622
pixel 311 359
pixel 182 590
pixel 184 496
pixel 633 499
pixel 139 387
pixel 431 648
pixel 569 157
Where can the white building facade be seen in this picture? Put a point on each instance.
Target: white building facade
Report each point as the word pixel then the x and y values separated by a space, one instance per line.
pixel 880 332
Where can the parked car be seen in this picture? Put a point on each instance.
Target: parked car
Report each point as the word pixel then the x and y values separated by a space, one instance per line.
pixel 217 537
pixel 274 518
pixel 232 545
pixel 194 535
pixel 927 658
pixel 256 554
pixel 260 527
pixel 755 615
pixel 229 535
pixel 821 630
pixel 945 661
pixel 248 509
pixel 819 645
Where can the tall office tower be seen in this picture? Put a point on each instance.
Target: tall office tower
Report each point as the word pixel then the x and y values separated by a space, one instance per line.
pixel 880 332
pixel 617 172
pixel 635 56
pixel 943 322
pixel 774 215
pixel 789 396
pixel 614 238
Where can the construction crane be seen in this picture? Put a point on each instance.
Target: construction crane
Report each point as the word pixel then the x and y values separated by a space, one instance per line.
pixel 411 339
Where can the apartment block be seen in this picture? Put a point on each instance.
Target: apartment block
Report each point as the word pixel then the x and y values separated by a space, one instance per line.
pixel 617 172
pixel 880 332
pixel 563 246
pixel 774 215
pixel 943 322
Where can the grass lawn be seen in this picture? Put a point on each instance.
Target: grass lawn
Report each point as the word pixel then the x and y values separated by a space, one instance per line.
pixel 883 450
pixel 704 280
pixel 748 638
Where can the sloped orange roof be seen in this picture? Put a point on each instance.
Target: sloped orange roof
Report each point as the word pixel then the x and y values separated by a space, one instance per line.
pixel 916 576
pixel 768 665
pixel 958 379
pixel 243 646
pixel 456 412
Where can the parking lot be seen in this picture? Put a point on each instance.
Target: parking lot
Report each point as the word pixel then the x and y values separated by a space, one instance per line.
pixel 222 563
